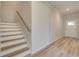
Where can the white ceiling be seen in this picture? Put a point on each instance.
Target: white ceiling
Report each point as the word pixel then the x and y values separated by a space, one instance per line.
pixel 63 5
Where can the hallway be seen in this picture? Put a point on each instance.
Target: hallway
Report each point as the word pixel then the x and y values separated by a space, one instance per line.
pixel 52 21
pixel 65 47
pixel 29 27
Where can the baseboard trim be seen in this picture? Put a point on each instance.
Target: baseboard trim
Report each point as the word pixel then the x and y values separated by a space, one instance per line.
pixel 45 48
pixel 71 37
pixel 40 50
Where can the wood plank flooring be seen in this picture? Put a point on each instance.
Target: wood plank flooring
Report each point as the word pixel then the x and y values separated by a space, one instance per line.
pixel 65 47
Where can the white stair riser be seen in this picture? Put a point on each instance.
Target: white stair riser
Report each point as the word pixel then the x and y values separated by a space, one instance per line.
pixel 9 29
pixel 11 37
pixel 10 33
pixel 12 43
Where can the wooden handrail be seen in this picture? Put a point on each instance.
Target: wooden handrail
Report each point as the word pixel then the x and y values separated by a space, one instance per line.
pixel 23 21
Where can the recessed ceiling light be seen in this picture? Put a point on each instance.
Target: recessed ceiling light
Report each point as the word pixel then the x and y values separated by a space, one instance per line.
pixel 67 9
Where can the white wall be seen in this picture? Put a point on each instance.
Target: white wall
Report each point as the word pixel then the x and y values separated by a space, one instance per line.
pixel 8 10
pixel 25 10
pixel 57 30
pixel 46 25
pixel 40 25
pixel 0 11
pixel 72 31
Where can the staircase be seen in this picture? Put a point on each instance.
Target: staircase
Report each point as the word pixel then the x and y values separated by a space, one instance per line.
pixel 12 41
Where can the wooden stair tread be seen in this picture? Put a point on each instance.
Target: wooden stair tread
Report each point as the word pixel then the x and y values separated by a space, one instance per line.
pixel 12 43
pixel 16 52
pixel 11 50
pixel 11 46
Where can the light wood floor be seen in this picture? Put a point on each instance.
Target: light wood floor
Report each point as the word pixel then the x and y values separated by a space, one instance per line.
pixel 65 47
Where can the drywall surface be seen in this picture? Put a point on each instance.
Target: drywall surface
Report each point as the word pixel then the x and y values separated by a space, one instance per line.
pixel 40 25
pixel 47 25
pixel 8 10
pixel 24 9
pixel 56 25
pixel 0 11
